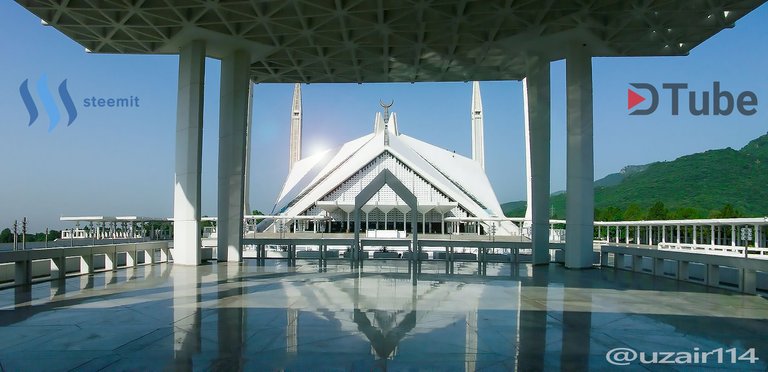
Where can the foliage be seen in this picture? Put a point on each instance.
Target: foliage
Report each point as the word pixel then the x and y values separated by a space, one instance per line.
pixel 728 211
pixel 6 236
pixel 657 211
pixel 633 213
pixel 257 212
pixel 715 183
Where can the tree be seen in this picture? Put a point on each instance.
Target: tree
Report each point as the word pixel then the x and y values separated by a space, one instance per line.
pixel 657 211
pixel 6 236
pixel 685 213
pixel 257 212
pixel 633 213
pixel 728 211
pixel 609 214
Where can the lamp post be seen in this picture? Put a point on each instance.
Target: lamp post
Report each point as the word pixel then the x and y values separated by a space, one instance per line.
pixel 15 235
pixel 746 237
pixel 24 233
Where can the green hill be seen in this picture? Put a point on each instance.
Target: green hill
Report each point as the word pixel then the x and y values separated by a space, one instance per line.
pixel 695 185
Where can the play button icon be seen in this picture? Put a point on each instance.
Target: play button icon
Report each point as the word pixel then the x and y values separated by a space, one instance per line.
pixel 633 99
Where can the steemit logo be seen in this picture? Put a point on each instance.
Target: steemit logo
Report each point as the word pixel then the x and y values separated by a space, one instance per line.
pixel 49 104
pixel 717 101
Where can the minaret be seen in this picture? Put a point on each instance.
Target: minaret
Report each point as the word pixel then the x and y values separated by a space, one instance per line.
pixel 478 143
pixel 295 154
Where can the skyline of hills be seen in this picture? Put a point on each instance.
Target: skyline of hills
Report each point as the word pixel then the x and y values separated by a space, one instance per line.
pixel 695 186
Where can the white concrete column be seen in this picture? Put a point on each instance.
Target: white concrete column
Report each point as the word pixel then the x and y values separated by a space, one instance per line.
pixel 678 234
pixel 233 117
pixel 536 97
pixel 650 235
pixel 248 135
pixel 757 236
pixel 663 233
pixel 694 234
pixel 580 198
pixel 712 235
pixel 189 146
pixel 720 235
pixel 733 235
pixel 442 223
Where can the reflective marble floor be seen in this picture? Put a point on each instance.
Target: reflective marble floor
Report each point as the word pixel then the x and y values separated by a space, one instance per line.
pixel 275 317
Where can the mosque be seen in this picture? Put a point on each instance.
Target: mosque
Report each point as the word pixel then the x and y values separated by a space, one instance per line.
pixel 452 191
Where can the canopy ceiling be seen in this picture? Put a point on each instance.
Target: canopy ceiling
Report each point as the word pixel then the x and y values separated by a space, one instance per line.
pixel 392 40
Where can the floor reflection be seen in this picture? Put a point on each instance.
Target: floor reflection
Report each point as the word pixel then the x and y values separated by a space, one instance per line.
pixel 276 317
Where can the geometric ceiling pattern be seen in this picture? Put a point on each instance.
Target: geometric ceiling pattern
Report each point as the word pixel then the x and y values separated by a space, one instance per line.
pixel 360 41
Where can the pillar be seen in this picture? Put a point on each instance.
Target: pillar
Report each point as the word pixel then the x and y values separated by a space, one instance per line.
pixel 758 237
pixel 749 281
pixel 233 117
pixel 59 264
pixel 442 223
pixel 130 257
pixel 694 234
pixel 580 177
pixel 86 264
pixel 110 261
pixel 247 165
pixel 23 272
pixel 536 96
pixel 637 235
pixel 189 145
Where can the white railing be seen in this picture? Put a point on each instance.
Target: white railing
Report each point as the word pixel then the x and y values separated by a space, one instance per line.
pixel 20 267
pixel 726 250
pixel 724 270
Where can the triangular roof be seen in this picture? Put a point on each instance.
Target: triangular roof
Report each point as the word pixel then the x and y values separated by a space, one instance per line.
pixel 459 178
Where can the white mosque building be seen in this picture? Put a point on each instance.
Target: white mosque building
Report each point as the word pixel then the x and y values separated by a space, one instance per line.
pixel 452 191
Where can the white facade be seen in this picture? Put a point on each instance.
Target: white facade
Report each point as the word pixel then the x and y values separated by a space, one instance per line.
pixel 445 184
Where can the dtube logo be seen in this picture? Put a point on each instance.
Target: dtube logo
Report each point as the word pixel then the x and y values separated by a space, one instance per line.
pixel 716 102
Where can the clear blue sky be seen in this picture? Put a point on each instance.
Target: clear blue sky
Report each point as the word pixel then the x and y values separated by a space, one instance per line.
pixel 115 161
